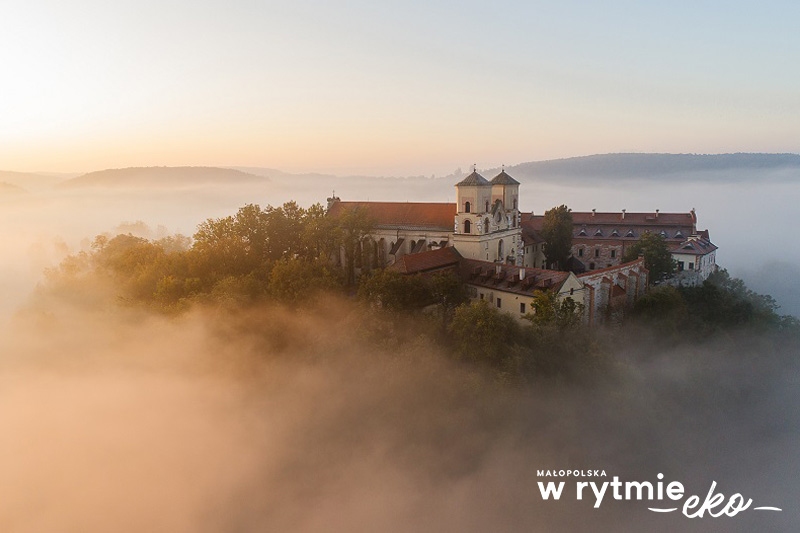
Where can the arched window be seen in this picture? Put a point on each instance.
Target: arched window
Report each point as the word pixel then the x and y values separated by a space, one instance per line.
pixel 487 206
pixel 500 249
pixel 466 207
pixel 467 228
pixel 515 203
pixel 486 225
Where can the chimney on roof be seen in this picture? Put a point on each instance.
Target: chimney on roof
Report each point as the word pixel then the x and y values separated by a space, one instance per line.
pixel 623 214
pixel 498 269
pixel 657 210
pixel 594 212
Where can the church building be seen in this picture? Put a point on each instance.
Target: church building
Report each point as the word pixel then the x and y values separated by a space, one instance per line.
pixel 498 251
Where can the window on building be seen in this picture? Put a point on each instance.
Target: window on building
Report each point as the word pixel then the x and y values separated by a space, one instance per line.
pixel 467 226
pixel 630 233
pixel 596 251
pixel 615 233
pixel 486 225
pixel 522 308
pixel 466 207
pixel 515 203
pixel 580 252
pixel 598 233
pixel 499 303
pixel 691 266
pixel 680 266
pixel 572 291
pixel 591 266
pixel 487 206
pixel 481 295
pixel 582 232
pixel 613 254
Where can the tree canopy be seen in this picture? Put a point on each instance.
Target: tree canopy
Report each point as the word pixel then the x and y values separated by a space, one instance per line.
pixel 557 234
pixel 657 257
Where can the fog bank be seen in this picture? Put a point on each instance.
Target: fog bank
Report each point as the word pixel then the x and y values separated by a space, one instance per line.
pixel 269 419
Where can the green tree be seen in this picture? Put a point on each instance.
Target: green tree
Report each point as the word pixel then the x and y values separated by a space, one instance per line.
pixel 321 236
pixel 353 226
pixel 395 291
pixel 557 234
pixel 448 291
pixel 657 257
pixel 663 306
pixel 481 333
pixel 295 281
pixel 547 309
pixel 233 246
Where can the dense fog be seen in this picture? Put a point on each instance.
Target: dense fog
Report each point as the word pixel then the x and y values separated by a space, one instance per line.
pixel 269 419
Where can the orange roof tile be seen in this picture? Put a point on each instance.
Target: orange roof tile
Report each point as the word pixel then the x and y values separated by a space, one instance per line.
pixel 404 214
pixel 484 274
pixel 427 261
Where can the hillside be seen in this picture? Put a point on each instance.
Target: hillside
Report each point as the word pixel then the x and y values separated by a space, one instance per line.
pixel 8 189
pixel 705 167
pixel 30 181
pixel 162 177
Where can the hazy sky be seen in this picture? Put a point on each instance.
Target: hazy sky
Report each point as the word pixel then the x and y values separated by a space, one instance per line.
pixel 411 87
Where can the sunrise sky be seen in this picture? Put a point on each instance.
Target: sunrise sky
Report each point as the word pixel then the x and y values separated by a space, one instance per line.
pixel 412 87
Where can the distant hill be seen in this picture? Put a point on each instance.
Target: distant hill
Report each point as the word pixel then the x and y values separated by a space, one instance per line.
pixel 711 167
pixel 8 189
pixel 30 181
pixel 162 177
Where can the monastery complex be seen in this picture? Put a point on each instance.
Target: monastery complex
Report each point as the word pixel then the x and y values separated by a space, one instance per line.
pixel 498 251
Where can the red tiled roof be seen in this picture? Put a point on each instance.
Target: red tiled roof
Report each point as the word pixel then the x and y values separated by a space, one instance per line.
pixel 694 246
pixel 404 214
pixel 427 261
pixel 600 226
pixel 484 274
pixel 634 219
pixel 530 235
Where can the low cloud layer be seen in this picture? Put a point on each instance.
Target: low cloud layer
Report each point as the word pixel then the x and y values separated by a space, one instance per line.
pixel 275 420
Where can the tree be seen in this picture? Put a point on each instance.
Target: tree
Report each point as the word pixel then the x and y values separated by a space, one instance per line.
pixel 354 224
pixel 482 333
pixel 395 291
pixel 321 235
pixel 294 281
pixel 448 291
pixel 657 257
pixel 547 309
pixel 557 234
pixel 233 246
